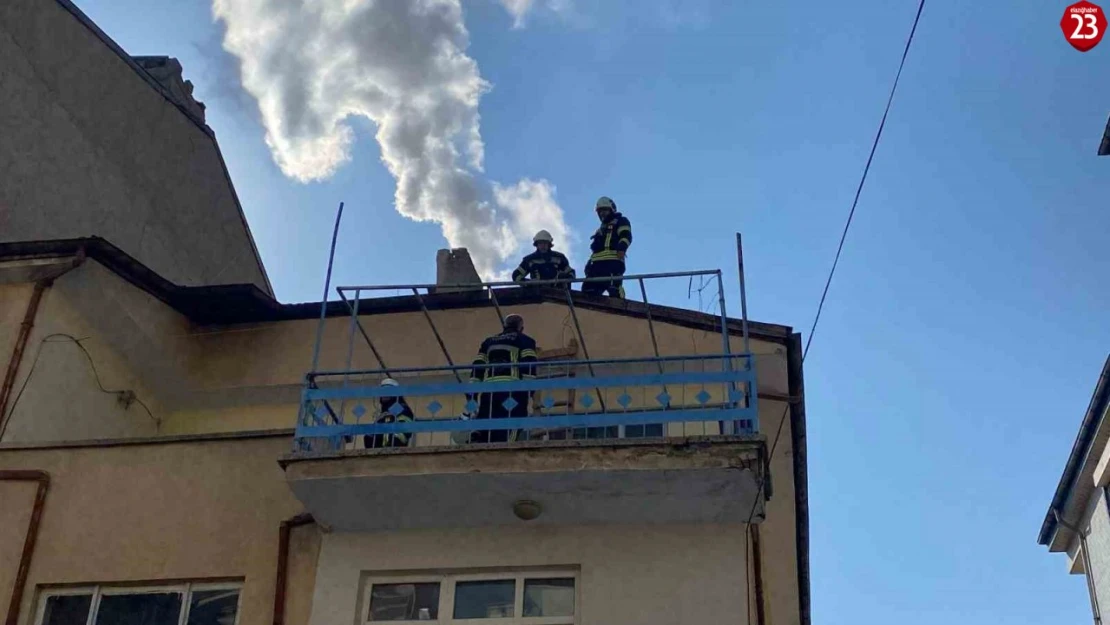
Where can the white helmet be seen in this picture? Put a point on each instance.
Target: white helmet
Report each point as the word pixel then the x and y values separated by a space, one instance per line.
pixel 389 382
pixel 542 235
pixel 605 202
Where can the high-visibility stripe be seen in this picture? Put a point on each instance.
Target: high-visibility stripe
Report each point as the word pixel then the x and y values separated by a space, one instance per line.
pixel 605 255
pixel 481 358
pixel 527 352
pixel 627 229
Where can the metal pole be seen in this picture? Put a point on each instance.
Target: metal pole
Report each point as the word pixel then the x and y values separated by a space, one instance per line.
pixel 651 327
pixel 585 350
pixel 428 316
pixel 493 297
pixel 743 294
pixel 365 336
pixel 327 285
pixel 561 282
pixel 726 346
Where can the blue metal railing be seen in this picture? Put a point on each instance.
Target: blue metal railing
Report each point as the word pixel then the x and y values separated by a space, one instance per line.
pixel 613 398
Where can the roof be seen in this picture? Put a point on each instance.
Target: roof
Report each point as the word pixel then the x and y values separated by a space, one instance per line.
pixel 246 303
pixel 1080 450
pixel 176 103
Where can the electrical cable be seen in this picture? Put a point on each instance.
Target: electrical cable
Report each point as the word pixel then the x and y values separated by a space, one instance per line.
pixel 92 365
pixel 825 291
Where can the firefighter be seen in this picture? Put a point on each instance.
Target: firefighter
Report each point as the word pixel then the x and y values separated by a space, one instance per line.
pixel 512 356
pixel 544 263
pixel 390 414
pixel 609 246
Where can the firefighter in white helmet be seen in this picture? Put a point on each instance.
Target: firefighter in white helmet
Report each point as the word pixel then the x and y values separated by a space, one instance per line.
pixel 609 245
pixel 394 409
pixel 544 263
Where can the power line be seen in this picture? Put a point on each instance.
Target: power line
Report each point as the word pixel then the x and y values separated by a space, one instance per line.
pixel 828 283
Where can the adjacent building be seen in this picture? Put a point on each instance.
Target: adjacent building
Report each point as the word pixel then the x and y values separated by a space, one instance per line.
pixel 1078 519
pixel 176 446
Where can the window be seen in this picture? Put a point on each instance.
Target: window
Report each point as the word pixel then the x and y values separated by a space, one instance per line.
pixel 510 598
pixel 181 604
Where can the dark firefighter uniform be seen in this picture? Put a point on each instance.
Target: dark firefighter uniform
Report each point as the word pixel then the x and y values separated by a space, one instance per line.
pixel 389 414
pixel 611 240
pixel 549 265
pixel 513 355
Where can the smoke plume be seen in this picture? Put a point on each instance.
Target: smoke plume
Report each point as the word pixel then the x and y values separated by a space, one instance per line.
pixel 312 65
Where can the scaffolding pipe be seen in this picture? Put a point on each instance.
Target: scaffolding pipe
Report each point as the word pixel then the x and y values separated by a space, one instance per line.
pixel 327 286
pixel 439 339
pixel 601 361
pixel 561 282
pixel 585 350
pixel 651 327
pixel 365 336
pixel 743 293
pixel 350 354
pixel 496 306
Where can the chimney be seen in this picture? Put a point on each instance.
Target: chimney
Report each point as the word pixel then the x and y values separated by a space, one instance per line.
pixel 455 267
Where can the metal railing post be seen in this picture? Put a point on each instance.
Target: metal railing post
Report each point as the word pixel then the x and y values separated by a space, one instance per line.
pixel 496 306
pixel 651 326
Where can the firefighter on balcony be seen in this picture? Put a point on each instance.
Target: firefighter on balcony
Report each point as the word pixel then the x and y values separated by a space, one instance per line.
pixel 511 357
pixel 392 410
pixel 609 246
pixel 544 263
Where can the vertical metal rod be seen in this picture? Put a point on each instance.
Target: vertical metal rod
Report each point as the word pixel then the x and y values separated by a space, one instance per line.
pixel 743 293
pixel 496 306
pixel 327 286
pixel 350 353
pixel 585 350
pixel 442 346
pixel 726 348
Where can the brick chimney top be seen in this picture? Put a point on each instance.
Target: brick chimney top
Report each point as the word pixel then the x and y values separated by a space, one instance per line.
pixel 455 267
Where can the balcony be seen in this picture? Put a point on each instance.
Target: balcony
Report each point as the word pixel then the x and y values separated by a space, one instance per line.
pixel 661 439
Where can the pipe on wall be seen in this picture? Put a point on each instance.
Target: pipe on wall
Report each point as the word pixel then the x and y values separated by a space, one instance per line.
pixel 283 563
pixel 43 479
pixel 21 339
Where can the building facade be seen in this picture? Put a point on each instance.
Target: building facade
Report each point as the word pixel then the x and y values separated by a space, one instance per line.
pixel 1078 519
pixel 177 446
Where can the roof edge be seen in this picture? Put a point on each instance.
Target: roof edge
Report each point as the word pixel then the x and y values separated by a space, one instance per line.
pixel 1092 419
pixel 229 304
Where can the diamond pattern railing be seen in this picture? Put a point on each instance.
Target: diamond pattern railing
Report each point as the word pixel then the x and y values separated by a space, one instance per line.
pixel 671 396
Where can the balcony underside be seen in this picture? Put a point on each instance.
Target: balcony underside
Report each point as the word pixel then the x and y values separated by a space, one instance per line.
pixel 704 479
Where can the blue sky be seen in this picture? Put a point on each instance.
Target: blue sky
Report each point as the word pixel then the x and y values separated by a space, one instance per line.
pixel 966 325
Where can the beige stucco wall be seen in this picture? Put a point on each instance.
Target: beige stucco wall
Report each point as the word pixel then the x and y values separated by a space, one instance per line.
pixel 628 575
pixel 197 510
pixel 90 148
pixel 247 377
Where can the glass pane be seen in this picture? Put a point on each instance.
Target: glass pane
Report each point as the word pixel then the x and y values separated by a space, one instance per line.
pixel 404 602
pixel 67 610
pixel 486 599
pixel 213 607
pixel 154 608
pixel 549 597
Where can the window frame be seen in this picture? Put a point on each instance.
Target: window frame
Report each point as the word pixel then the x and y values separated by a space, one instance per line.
pixel 447 582
pixel 97 591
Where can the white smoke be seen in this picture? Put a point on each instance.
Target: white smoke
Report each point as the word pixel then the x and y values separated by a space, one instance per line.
pixel 313 64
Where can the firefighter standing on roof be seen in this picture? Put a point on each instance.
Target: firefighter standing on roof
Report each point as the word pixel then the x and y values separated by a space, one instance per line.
pixel 544 263
pixel 511 356
pixel 609 246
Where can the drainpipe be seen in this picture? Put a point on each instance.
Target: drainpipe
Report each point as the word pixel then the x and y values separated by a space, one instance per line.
pixel 1088 573
pixel 43 479
pixel 17 351
pixel 757 575
pixel 24 335
pixel 282 564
